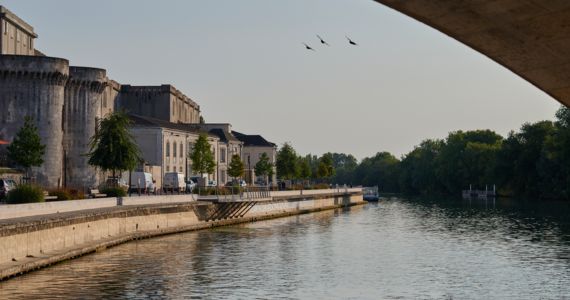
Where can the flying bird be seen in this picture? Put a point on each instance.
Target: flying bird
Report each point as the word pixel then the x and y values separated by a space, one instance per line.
pixel 308 47
pixel 351 42
pixel 322 41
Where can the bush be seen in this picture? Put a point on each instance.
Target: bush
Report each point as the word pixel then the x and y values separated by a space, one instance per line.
pixel 67 194
pixel 114 192
pixel 61 195
pixel 77 194
pixel 321 186
pixel 25 193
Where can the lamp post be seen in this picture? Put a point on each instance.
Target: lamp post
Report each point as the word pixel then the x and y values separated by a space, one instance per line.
pixel 186 156
pixel 249 168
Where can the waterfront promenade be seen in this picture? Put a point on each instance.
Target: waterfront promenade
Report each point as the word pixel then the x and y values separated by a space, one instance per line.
pixel 37 235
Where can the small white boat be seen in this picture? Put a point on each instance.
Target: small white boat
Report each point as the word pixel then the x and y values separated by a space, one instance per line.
pixel 370 194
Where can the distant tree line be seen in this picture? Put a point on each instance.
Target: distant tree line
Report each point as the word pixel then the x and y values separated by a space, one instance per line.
pixel 533 162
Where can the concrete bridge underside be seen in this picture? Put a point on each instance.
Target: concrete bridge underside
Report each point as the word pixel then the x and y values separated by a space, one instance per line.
pixel 529 37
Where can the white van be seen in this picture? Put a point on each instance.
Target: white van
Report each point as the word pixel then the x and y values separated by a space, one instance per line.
pixel 174 181
pixel 141 180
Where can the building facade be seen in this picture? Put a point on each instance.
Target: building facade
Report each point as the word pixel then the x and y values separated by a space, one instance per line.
pixel 16 36
pixel 66 102
pixel 166 147
pixel 162 102
pixel 253 147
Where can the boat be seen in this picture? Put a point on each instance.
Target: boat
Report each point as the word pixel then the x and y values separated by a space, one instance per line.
pixel 370 194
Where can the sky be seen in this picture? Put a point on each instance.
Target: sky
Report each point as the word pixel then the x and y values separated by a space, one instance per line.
pixel 244 62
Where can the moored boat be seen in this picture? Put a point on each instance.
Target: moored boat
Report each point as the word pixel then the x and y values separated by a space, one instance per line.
pixel 370 194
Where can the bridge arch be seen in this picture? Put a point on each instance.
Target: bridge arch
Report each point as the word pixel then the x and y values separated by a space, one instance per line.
pixel 529 37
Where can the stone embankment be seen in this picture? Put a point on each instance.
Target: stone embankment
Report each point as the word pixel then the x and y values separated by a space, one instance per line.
pixel 34 236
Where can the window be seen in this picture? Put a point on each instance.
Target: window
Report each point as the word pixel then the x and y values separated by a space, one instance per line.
pixel 174 150
pixel 180 169
pixel 167 149
pixel 181 150
pixel 190 147
pixel 167 168
pixel 222 155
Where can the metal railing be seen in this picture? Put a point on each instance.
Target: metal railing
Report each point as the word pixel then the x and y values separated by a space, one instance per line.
pixel 226 194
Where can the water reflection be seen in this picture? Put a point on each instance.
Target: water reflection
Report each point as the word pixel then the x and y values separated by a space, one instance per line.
pixel 394 249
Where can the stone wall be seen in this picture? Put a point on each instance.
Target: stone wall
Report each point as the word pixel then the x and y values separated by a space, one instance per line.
pixel 33 243
pixel 82 110
pixel 34 86
pixel 160 102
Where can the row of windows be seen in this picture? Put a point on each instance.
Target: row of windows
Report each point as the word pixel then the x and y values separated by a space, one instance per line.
pixel 180 170
pixel 181 153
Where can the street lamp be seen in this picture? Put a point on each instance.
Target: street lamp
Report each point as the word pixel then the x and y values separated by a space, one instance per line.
pixel 186 156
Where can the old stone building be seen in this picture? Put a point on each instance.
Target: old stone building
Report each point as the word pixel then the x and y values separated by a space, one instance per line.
pixel 162 102
pixel 17 37
pixel 254 146
pixel 66 102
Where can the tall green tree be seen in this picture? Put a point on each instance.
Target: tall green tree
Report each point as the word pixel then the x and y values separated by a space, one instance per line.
pixel 236 167
pixel 417 169
pixel 382 170
pixel 325 169
pixel 287 167
pixel 304 167
pixel 344 166
pixel 203 161
pixel 113 147
pixel 264 167
pixel 27 149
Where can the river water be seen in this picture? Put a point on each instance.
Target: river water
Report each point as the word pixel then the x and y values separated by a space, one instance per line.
pixel 397 249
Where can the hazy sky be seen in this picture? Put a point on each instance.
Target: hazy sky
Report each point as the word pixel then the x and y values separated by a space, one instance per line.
pixel 243 61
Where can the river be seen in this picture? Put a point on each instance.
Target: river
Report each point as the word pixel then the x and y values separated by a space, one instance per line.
pixel 396 249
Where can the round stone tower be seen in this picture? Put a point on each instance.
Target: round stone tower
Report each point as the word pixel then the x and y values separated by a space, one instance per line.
pixel 34 86
pixel 82 110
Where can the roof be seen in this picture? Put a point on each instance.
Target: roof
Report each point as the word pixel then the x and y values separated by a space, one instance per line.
pixel 253 140
pixel 224 135
pixel 140 121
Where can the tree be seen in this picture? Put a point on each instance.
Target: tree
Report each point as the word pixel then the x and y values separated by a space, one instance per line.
pixel 304 167
pixel 113 147
pixel 202 121
pixel 344 166
pixel 27 149
pixel 236 167
pixel 264 167
pixel 325 169
pixel 381 170
pixel 287 162
pixel 202 157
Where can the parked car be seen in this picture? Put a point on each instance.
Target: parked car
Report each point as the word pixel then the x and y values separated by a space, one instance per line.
pixel 174 181
pixel 240 183
pixel 212 183
pixel 141 180
pixel 199 180
pixel 6 185
pixel 190 185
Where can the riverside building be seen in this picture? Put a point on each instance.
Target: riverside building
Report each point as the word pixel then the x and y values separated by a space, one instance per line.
pixel 66 102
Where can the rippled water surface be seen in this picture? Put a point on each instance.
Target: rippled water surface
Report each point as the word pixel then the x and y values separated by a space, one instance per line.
pixel 397 249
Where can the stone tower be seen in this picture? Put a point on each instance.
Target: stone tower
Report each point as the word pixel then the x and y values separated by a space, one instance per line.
pixel 82 110
pixel 35 86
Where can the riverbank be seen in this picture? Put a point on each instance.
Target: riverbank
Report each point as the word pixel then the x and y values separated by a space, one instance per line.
pixel 33 242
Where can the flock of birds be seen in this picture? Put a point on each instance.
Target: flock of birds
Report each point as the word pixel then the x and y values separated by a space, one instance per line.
pixel 327 44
